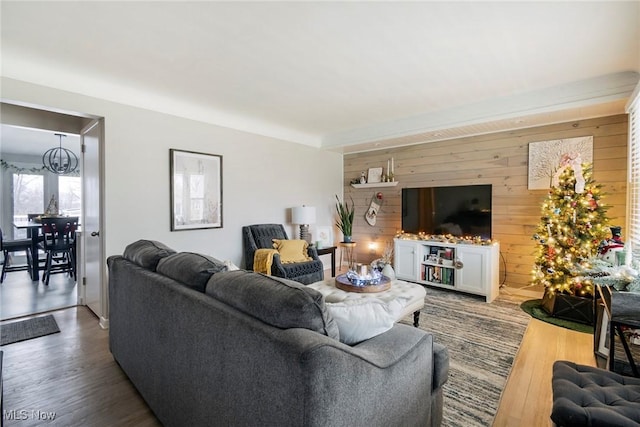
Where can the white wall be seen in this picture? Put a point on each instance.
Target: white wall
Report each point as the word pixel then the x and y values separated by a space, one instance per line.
pixel 262 177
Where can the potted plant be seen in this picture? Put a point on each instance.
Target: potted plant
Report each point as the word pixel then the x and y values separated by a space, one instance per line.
pixel 345 218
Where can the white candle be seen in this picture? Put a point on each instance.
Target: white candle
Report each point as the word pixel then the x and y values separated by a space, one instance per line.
pixel 388 170
pixel 392 165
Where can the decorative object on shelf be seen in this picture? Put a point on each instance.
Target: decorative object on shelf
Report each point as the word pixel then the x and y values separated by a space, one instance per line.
pixel 363 178
pixel 374 207
pixel 303 216
pixel 58 160
pixel 570 229
pixel 345 218
pixel 196 190
pixel 445 238
pixel 389 177
pixel 374 175
pixel 52 207
pixel 544 156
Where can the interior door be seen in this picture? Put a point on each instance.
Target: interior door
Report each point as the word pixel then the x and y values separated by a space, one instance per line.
pixel 93 268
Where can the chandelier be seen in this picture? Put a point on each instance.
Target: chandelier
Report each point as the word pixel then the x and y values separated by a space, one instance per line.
pixel 60 160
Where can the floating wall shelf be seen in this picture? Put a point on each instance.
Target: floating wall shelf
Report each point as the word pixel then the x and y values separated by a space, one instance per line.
pixel 376 184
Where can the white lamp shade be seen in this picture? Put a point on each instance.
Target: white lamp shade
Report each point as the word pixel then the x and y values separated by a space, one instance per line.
pixel 303 215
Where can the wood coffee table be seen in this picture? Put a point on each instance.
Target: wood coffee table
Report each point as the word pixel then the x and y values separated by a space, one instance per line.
pixel 343 283
pixel 411 294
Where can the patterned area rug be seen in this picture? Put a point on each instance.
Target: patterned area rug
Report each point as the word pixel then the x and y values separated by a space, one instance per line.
pixel 28 329
pixel 482 340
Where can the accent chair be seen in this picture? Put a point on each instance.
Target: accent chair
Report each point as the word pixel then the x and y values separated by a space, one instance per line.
pixel 260 236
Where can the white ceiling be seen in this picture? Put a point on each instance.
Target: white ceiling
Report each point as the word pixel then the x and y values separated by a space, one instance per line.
pixel 342 75
pixel 18 140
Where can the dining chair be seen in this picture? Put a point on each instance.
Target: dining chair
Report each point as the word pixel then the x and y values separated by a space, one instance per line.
pixel 59 245
pixel 9 247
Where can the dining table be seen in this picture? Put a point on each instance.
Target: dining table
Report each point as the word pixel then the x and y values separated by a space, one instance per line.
pixel 33 232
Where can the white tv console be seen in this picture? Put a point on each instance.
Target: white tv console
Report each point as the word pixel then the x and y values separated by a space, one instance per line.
pixel 464 267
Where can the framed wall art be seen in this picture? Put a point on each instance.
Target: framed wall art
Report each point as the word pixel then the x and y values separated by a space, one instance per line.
pixel 545 157
pixel 196 190
pixel 374 175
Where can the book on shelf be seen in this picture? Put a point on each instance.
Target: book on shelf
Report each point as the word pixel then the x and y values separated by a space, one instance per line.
pixel 437 274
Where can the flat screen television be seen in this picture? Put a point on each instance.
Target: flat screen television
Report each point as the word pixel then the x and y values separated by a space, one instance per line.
pixel 462 211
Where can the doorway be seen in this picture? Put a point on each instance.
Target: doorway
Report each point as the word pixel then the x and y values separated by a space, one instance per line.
pixel 27 132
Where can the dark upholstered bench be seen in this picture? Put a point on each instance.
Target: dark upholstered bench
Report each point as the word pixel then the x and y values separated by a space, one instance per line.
pixel 588 396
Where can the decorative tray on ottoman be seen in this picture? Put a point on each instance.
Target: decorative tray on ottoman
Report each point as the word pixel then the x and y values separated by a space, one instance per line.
pixel 379 285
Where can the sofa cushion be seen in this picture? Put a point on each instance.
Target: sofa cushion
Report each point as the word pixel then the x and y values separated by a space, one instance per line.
pixel 191 269
pixel 278 302
pixel 588 396
pixel 147 253
pixel 292 250
pixel 361 319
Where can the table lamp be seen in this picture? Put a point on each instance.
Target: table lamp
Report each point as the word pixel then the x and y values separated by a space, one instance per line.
pixel 304 215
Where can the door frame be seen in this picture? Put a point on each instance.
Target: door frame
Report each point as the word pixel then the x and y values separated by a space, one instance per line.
pixel 103 289
pixel 37 116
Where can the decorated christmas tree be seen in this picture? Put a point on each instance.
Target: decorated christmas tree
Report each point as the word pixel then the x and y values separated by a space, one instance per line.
pixel 572 226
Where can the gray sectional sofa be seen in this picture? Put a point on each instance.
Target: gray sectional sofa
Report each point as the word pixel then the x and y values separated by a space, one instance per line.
pixel 205 346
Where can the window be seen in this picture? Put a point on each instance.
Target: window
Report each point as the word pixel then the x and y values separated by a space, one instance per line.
pixel 633 208
pixel 69 195
pixel 28 197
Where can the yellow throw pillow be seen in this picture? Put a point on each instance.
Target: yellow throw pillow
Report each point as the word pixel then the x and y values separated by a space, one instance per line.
pixel 292 250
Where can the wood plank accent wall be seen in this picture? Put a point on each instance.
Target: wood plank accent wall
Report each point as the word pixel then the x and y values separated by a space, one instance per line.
pixel 499 159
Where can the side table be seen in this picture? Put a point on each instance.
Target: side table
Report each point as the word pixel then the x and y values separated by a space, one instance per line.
pixel 347 249
pixel 326 251
pixel 622 311
pixel 625 313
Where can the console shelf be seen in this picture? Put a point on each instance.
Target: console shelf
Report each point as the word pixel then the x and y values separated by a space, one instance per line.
pixel 463 267
pixel 376 184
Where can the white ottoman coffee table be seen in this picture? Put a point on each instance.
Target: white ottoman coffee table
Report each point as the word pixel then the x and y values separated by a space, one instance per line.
pixel 411 294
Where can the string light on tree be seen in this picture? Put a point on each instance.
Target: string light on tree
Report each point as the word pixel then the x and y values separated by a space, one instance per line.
pixel 572 224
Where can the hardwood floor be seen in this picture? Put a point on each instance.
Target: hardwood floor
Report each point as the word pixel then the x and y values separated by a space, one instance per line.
pixel 19 296
pixel 527 397
pixel 73 375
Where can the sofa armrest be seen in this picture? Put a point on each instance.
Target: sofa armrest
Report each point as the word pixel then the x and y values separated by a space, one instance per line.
pixel 305 272
pixel 313 253
pixel 398 364
pixel 440 365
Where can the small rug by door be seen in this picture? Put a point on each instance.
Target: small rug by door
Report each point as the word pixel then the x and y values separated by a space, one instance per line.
pixel 28 329
pixel 482 340
pixel 534 309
